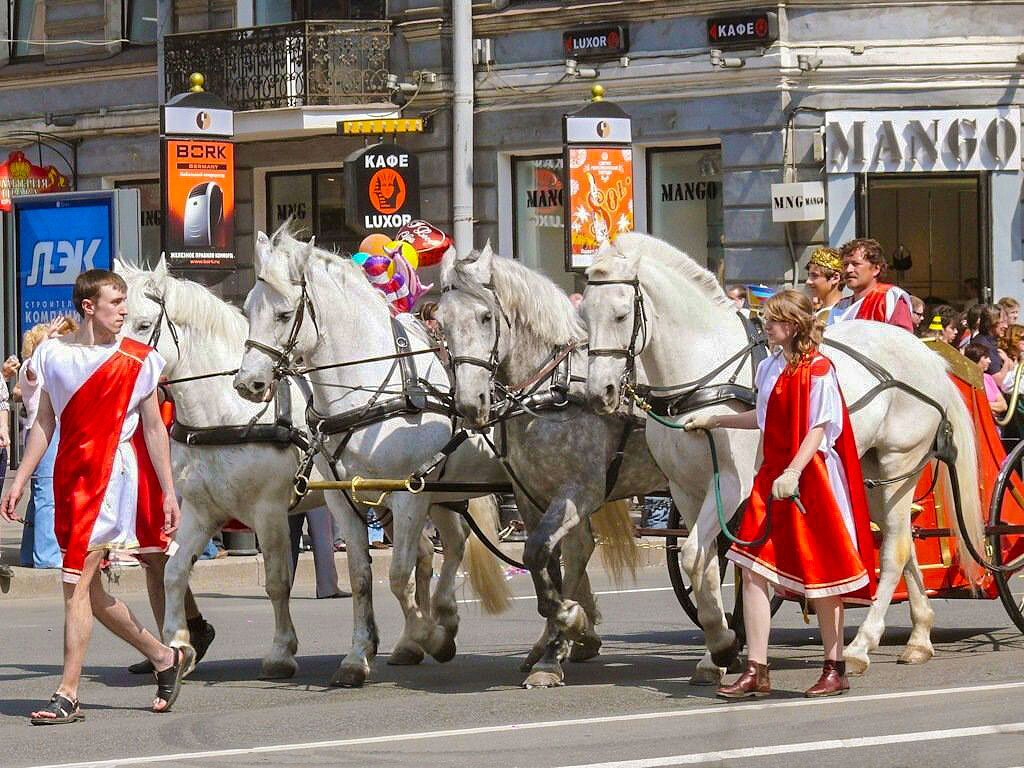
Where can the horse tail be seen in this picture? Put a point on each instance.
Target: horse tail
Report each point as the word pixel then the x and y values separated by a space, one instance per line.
pixel 613 530
pixel 486 575
pixel 961 421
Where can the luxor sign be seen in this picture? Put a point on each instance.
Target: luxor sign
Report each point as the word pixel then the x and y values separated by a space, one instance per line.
pixel 927 140
pixel 596 42
pixel 383 187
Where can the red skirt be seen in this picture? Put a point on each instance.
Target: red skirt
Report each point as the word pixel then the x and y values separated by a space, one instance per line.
pixel 808 554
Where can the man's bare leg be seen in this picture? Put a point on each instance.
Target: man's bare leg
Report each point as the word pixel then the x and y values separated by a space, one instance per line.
pixel 153 564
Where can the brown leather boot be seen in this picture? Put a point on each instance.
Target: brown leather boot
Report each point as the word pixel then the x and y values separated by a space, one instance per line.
pixel 753 682
pixel 832 682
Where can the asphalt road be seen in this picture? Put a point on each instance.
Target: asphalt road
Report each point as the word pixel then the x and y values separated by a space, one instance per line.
pixel 630 708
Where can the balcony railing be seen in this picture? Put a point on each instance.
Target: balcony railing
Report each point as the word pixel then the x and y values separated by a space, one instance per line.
pixel 303 63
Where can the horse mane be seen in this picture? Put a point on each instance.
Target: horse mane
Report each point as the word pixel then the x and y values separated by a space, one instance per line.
pixel 534 299
pixel 666 255
pixel 190 304
pixel 339 267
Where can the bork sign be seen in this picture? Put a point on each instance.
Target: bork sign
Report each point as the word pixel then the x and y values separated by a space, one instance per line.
pixel 383 187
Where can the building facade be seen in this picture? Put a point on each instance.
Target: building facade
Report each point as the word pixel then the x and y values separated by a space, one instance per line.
pixel 906 112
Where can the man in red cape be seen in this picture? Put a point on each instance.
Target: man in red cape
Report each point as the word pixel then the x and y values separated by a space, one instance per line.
pixel 863 264
pixel 96 392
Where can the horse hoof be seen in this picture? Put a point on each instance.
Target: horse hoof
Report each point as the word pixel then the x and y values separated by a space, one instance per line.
pixel 706 676
pixel 915 654
pixel 856 665
pixel 543 679
pixel 349 677
pixel 405 656
pixel 585 649
pixel 446 652
pixel 726 657
pixel 576 623
pixel 278 669
pixel 176 643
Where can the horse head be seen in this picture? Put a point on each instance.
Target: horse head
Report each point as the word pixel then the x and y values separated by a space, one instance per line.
pixel 147 319
pixel 281 326
pixel 613 315
pixel 475 329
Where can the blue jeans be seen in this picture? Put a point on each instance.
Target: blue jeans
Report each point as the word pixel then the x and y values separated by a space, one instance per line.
pixel 38 541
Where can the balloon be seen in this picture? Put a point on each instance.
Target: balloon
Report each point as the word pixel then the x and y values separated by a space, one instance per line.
pixel 374 244
pixel 408 253
pixel 360 258
pixel 402 268
pixel 376 268
pixel 429 241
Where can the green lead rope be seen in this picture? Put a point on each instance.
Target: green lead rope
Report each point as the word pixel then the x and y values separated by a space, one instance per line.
pixel 717 478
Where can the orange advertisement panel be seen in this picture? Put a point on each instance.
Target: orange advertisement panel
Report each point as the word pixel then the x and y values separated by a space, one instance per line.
pixel 199 204
pixel 18 176
pixel 600 203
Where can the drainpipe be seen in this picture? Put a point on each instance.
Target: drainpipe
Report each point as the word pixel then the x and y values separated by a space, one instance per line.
pixel 462 125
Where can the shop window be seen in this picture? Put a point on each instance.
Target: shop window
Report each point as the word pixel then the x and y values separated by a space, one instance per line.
pixel 315 203
pixel 26 20
pixel 278 11
pixel 140 21
pixel 538 229
pixel 684 202
pixel 150 212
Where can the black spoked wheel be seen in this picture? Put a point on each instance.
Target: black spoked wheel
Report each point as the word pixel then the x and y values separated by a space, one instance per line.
pixel 1002 543
pixel 683 589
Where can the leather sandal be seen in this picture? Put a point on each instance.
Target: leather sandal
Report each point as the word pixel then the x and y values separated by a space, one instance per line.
pixel 169 681
pixel 200 635
pixel 65 710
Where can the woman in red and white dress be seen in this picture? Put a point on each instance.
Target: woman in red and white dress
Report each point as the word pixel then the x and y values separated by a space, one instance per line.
pixel 823 553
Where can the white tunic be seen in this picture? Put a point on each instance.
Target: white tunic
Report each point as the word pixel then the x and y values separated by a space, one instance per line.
pixel 64 367
pixel 847 308
pixel 825 410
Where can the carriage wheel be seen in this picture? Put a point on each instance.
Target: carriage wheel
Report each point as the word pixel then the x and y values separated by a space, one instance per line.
pixel 1014 605
pixel 684 590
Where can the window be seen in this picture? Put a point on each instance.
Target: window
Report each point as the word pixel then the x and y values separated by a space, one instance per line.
pixel 684 203
pixel 278 11
pixel 538 231
pixel 150 212
pixel 139 21
pixel 315 202
pixel 26 20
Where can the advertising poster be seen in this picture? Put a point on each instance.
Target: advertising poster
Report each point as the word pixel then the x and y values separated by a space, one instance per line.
pixel 383 185
pixel 199 207
pixel 600 199
pixel 18 176
pixel 57 241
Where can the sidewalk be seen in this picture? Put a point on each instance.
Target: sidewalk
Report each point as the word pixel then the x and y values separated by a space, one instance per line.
pixel 233 573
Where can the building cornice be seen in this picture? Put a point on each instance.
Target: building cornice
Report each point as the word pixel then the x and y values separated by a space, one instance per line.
pixel 43 78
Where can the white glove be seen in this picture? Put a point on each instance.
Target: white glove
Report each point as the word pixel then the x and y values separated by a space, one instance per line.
pixel 786 485
pixel 701 421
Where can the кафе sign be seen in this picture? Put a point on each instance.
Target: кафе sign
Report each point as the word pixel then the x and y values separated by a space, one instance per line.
pixel 906 141
pixel 383 188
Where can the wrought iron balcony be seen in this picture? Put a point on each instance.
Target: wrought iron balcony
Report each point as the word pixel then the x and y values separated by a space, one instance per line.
pixel 303 63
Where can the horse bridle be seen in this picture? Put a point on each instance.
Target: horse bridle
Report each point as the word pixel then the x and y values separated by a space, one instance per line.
pixel 630 352
pixel 161 318
pixel 491 363
pixel 283 358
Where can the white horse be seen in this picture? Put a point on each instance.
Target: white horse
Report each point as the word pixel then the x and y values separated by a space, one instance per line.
pixel 690 329
pixel 313 305
pixel 199 334
pixel 505 324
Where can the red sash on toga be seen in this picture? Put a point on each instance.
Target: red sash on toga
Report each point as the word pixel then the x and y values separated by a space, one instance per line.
pixel 90 430
pixel 873 307
pixel 810 554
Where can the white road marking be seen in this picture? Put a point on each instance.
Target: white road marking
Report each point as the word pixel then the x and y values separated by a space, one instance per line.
pixel 516 727
pixel 808 746
pixel 604 592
